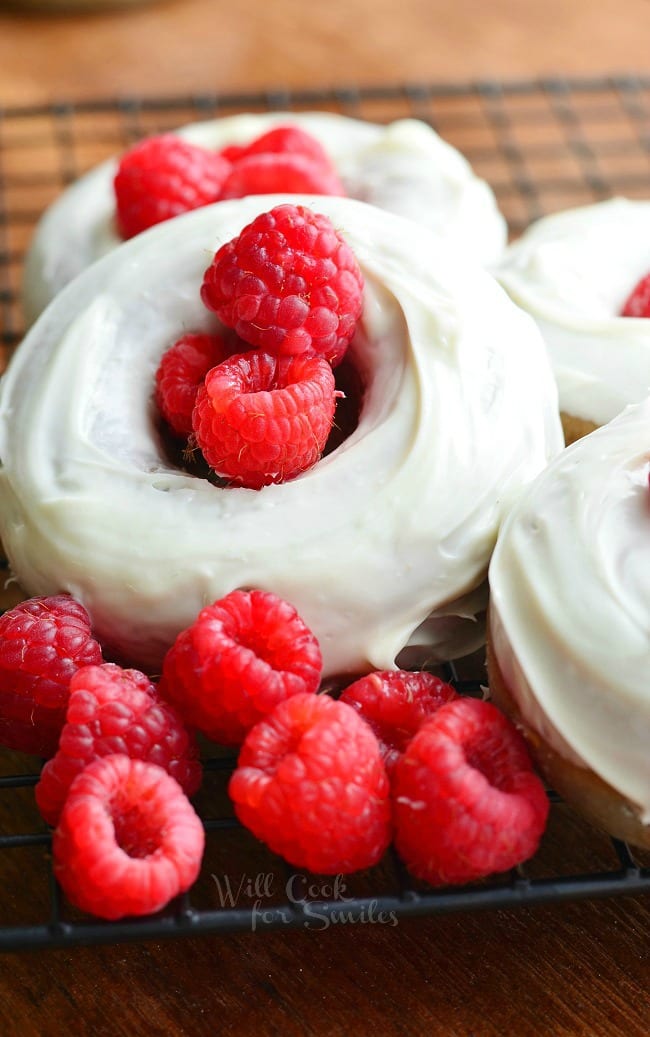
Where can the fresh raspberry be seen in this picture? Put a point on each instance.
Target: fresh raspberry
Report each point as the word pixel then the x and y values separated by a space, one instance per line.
pixel 288 284
pixel 466 801
pixel 638 302
pixel 240 657
pixel 181 371
pixel 43 642
pixel 285 140
pixel 261 419
pixel 128 840
pixel 112 710
pixel 163 176
pixel 396 703
pixel 310 783
pixel 279 174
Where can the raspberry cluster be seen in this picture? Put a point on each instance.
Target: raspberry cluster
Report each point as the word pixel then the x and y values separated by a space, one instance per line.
pixel 261 406
pixel 164 176
pixel 325 783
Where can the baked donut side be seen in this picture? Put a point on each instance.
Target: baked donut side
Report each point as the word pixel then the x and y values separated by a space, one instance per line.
pixel 404 167
pixel 569 625
pixel 384 542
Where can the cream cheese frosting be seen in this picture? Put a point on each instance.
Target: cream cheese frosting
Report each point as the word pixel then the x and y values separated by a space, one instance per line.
pixel 570 604
pixel 384 542
pixel 404 167
pixel 573 271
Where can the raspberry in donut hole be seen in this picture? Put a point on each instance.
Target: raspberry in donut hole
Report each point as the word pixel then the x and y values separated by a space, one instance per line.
pixel 382 545
pixel 569 630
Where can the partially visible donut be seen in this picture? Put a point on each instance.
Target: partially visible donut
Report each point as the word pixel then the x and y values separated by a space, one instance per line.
pixel 569 629
pixel 404 167
pixel 573 271
pixel 384 543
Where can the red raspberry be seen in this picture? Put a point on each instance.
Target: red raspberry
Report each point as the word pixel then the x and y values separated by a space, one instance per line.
pixel 288 284
pixel 638 302
pixel 261 419
pixel 279 174
pixel 396 703
pixel 112 710
pixel 181 371
pixel 128 840
pixel 285 140
pixel 43 642
pixel 240 657
pixel 310 784
pixel 466 801
pixel 162 177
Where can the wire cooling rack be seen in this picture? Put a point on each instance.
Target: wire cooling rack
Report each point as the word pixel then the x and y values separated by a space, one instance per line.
pixel 542 145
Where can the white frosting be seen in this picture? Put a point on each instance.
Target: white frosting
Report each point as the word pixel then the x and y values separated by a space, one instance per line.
pixel 397 524
pixel 570 604
pixel 573 272
pixel 404 167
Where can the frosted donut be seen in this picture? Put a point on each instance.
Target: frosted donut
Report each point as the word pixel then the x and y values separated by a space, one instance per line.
pixel 384 542
pixel 569 629
pixel 404 167
pixel 573 272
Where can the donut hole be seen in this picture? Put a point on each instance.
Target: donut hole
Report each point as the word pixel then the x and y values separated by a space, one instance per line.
pixel 181 455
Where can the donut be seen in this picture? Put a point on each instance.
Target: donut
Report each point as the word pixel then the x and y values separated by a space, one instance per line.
pixel 569 623
pixel 383 544
pixel 573 271
pixel 404 167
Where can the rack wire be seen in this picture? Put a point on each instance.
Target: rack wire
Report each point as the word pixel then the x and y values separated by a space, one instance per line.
pixel 542 145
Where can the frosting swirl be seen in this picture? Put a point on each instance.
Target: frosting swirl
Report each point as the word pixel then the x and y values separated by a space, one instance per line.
pixel 404 167
pixel 388 535
pixel 573 272
pixel 570 604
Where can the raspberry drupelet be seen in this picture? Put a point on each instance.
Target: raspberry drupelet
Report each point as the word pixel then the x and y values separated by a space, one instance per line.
pixel 466 800
pixel 396 703
pixel 310 783
pixel 112 710
pixel 43 642
pixel 128 840
pixel 241 657
pixel 288 284
pixel 261 419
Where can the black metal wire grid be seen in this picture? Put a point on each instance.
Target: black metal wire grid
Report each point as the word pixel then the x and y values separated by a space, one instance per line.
pixel 543 145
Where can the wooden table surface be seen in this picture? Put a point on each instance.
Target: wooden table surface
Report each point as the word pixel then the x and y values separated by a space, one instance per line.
pixel 576 969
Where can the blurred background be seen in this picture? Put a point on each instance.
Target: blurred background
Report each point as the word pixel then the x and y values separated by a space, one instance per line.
pixel 189 45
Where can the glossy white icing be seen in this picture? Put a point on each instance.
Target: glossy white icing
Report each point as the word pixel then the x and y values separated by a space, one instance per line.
pixel 570 604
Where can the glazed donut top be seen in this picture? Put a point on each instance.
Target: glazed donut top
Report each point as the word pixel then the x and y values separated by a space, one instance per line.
pixel 570 604
pixel 459 411
pixel 573 272
pixel 404 167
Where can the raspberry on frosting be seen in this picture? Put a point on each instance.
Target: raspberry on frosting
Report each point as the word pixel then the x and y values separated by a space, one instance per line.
pixel 181 371
pixel 43 642
pixel 112 710
pixel 261 419
pixel 241 657
pixel 164 176
pixel 128 840
pixel 638 302
pixel 310 783
pixel 288 284
pixel 466 800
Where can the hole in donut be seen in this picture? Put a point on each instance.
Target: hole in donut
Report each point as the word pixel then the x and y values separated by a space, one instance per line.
pixel 183 456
